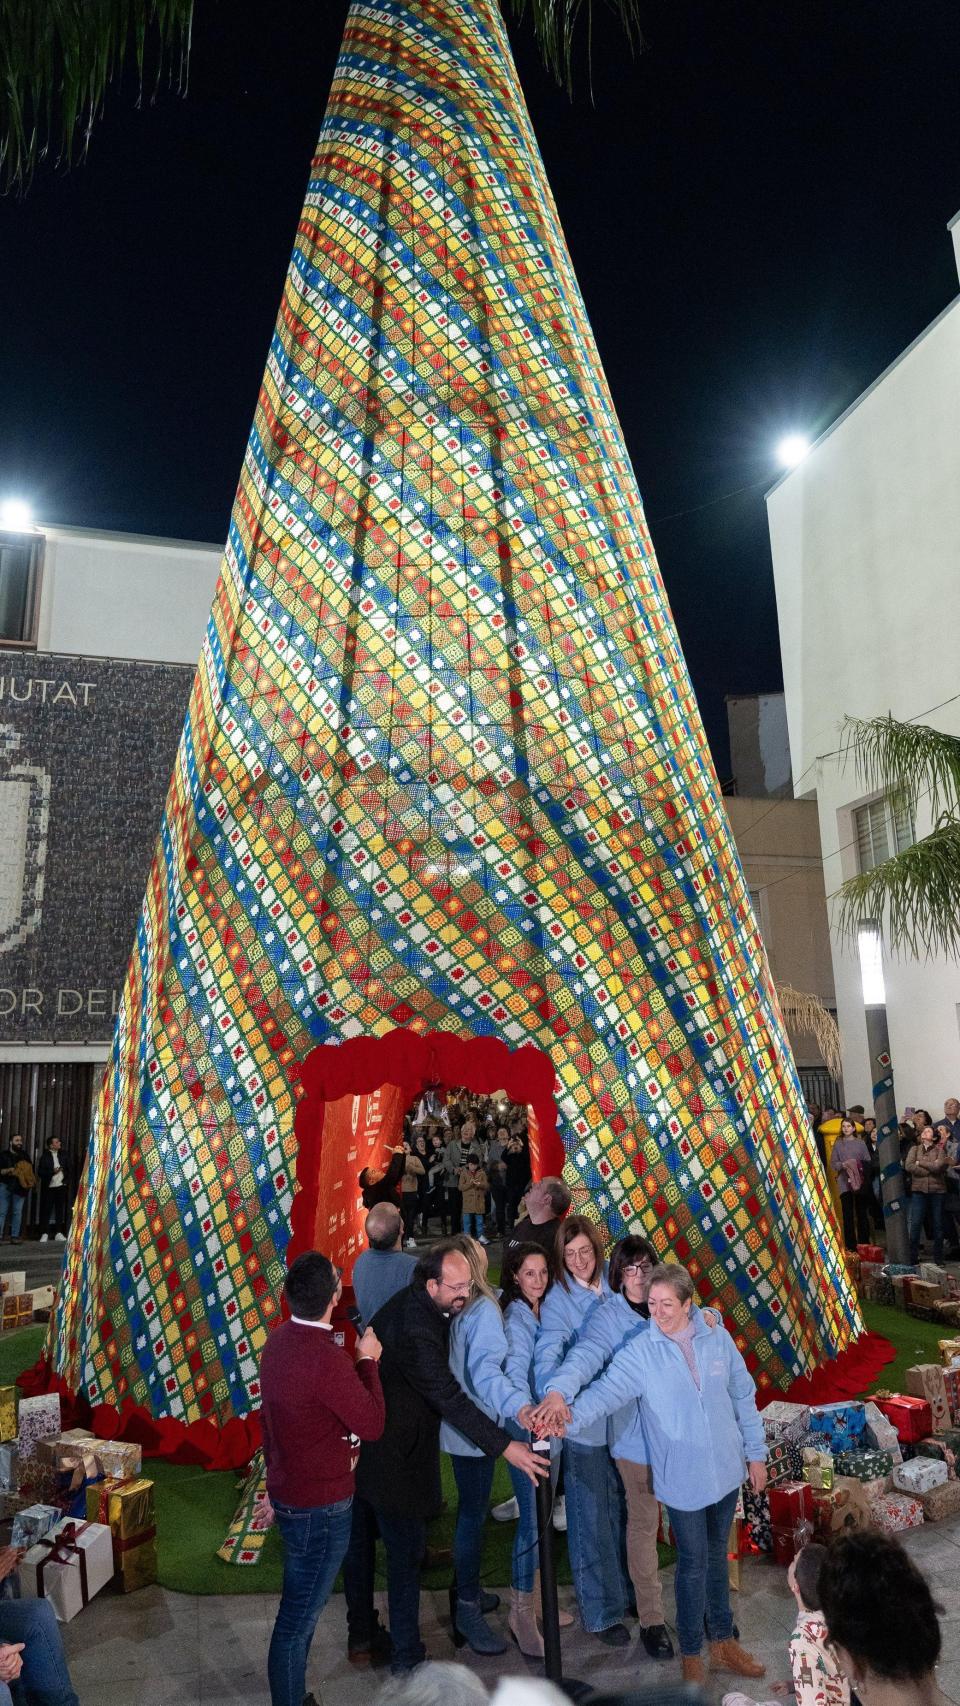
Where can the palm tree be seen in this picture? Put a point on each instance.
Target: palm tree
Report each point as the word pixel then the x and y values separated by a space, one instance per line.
pixel 913 897
pixel 59 57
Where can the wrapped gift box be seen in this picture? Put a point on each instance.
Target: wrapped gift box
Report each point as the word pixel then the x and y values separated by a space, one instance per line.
pixel 896 1512
pixel 8 1412
pixel 901 1295
pixel 10 1503
pixel 787 1542
pixel 68 1567
pixel 940 1449
pixel 853 1265
pixel 925 1292
pixel 817 1468
pixel 74 1465
pixel 790 1503
pixel 897 1269
pixel 951 1386
pixel 880 1433
pixel 783 1462
pixel 17 1311
pixel 941 1501
pixel 119 1459
pixel 127 1509
pixel 883 1290
pixel 910 1416
pixel 8 1465
pixel 43 1296
pixel 949 1348
pixel 863 1465
pixel 13 1282
pixel 919 1475
pixel 843 1508
pixel 39 1418
pixel 925 1380
pixel 33 1522
pixel 950 1438
pixel 846 1420
pixel 756 1512
pixel 932 1274
pixel 871 1253
pixel 783 1421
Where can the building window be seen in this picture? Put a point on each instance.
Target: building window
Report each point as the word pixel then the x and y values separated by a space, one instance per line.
pixel 21 562
pixel 881 830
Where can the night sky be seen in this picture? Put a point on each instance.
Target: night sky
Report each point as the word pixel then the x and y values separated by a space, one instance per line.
pixel 756 210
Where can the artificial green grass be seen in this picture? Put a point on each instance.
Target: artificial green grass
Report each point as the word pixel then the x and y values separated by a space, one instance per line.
pixel 915 1341
pixel 19 1351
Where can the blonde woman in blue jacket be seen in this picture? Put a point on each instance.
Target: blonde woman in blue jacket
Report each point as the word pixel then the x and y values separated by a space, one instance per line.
pixel 596 1513
pixel 478 1354
pixel 690 1396
pixel 623 1315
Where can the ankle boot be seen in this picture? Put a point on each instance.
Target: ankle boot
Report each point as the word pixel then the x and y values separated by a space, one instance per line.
pixel 522 1623
pixel 729 1655
pixel 471 1626
pixel 693 1669
pixel 564 1619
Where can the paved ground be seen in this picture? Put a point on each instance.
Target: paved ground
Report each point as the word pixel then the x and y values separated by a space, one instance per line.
pixel 164 1649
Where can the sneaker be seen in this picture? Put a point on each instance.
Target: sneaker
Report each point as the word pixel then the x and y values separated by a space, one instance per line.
pixel 44 1238
pixel 411 1244
pixel 60 1238
pixel 509 1511
pixel 560 1515
pixel 483 1239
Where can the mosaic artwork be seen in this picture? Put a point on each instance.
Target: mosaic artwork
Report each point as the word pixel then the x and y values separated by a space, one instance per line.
pixel 442 770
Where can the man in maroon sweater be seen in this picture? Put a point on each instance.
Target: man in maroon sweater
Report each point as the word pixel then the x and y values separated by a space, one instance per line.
pixel 316 1410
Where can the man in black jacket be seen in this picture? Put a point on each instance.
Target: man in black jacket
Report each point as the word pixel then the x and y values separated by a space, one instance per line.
pixel 397 1474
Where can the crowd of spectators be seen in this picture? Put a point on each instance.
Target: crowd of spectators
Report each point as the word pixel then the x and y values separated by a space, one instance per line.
pixel 930 1156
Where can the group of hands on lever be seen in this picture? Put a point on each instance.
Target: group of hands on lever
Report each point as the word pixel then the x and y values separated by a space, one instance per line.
pixel 548 1420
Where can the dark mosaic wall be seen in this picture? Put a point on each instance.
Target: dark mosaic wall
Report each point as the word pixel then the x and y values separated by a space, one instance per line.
pixel 86 750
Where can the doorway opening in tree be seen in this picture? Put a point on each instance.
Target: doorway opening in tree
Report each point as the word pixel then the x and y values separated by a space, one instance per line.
pixel 461 1141
pixel 355 1098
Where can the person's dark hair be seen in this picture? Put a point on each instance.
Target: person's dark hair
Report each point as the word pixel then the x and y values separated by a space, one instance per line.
pixel 629 1249
pixel 806 1571
pixel 513 1259
pixel 430 1264
pixel 575 1226
pixel 310 1284
pixel 855 1109
pixel 559 1194
pixel 879 1607
pixel 921 1114
pixel 848 1120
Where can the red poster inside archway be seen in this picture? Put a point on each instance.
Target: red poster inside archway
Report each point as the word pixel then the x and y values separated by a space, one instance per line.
pixel 352 1110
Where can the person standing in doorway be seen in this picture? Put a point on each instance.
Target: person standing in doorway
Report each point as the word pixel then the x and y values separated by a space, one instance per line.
pixel 547 1202
pixel 53 1193
pixel 17 1177
pixel 850 1161
pixel 385 1268
pixel 317 1407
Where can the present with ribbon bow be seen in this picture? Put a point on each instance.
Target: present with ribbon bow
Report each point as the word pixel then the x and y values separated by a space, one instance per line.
pixel 127 1509
pixel 74 1464
pixel 68 1567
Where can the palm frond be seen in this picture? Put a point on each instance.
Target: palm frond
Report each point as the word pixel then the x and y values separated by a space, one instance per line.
pixel 57 59
pixel 554 23
pixel 914 898
pixel 904 761
pixel 807 1013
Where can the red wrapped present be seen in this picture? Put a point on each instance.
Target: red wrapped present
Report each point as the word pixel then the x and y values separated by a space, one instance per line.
pixel 790 1540
pixel 790 1502
pixel 871 1253
pixel 912 1417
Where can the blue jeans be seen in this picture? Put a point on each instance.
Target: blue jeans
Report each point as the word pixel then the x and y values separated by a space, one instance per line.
pixel 314 1542
pixel 920 1201
pixel 404 1539
pixel 473 1225
pixel 44 1677
pixel 474 1478
pixel 702 1581
pixel 596 1534
pixel 10 1200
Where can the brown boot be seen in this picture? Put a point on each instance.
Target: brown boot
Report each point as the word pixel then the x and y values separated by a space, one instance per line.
pixel 564 1620
pixel 522 1623
pixel 729 1655
pixel 693 1670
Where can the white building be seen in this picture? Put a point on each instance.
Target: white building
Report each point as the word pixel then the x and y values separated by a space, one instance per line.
pixel 865 535
pixel 99 639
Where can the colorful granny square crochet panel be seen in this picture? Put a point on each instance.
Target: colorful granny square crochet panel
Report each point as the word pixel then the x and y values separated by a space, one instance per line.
pixel 442 769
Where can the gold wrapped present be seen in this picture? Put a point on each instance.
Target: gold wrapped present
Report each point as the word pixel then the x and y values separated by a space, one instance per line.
pixel 949 1348
pixel 120 1459
pixel 8 1412
pixel 127 1506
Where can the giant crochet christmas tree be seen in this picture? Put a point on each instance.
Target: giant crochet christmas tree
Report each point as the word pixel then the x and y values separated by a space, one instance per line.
pixel 442 770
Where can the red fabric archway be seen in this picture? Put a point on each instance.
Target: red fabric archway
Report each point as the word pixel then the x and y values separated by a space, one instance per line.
pixel 409 1061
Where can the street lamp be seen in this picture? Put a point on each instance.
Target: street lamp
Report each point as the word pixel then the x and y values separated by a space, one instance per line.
pixel 16 515
pixel 792 450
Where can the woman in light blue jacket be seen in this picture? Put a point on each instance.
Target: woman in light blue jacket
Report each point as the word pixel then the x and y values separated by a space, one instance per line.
pixel 478 1354
pixel 692 1402
pixel 608 1329
pixel 596 1514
